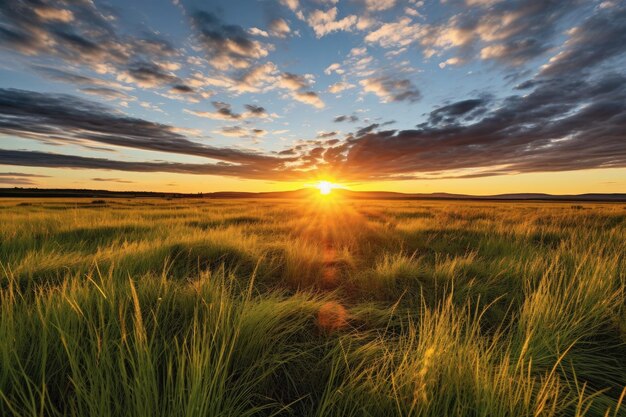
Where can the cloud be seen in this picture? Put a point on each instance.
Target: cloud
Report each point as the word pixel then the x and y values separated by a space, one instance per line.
pixel 240 132
pixel 325 22
pixel 335 67
pixel 564 124
pixel 53 160
pixel 279 28
pixel 378 5
pixel 223 111
pixel 54 14
pixel 181 89
pixel 450 61
pixel 297 86
pixel 118 180
pixel 22 175
pixel 367 129
pixel 292 81
pixel 291 4
pixel 337 88
pixel 452 113
pixel 412 12
pixel 570 115
pixel 73 78
pixel 81 35
pixel 358 51
pixel 258 32
pixel 599 38
pixel 309 97
pixel 63 119
pixel 561 123
pixel 148 75
pixel 397 34
pixel 256 110
pixel 391 89
pixel 19 179
pixel 510 32
pixel 227 46
pixel 256 79
pixel 234 131
pixel 345 118
pixel 107 93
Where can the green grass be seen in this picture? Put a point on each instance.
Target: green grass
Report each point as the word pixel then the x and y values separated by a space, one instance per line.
pixel 298 308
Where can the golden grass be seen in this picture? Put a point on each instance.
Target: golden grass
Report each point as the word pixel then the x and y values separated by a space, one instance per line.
pixel 151 307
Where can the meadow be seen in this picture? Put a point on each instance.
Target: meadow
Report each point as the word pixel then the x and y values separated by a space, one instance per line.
pixel 323 307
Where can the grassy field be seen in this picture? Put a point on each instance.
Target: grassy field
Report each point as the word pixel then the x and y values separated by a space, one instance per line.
pixel 311 308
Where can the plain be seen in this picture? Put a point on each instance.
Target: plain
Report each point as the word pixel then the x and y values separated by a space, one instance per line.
pixel 324 307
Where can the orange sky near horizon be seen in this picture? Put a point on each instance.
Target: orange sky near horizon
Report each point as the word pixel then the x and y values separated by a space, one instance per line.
pixel 566 182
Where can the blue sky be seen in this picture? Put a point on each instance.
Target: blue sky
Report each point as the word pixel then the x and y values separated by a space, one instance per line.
pixel 456 95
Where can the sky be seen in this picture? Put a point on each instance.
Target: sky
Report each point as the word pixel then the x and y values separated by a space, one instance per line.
pixel 462 96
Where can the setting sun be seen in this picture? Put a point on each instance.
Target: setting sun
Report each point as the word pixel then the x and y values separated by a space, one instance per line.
pixel 325 187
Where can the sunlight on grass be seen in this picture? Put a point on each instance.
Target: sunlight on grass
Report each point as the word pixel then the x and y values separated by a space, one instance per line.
pixel 313 307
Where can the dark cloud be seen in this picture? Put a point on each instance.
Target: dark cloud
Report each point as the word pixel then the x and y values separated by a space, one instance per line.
pixel 511 32
pixel 391 88
pixel 452 113
pixel 256 110
pixel 21 175
pixel 147 74
pixel 345 118
pixel 572 115
pixel 182 89
pixel 237 131
pixel 564 124
pixel 69 119
pixel 225 110
pixel 600 38
pixel 81 34
pixel 522 30
pixel 119 180
pixel 76 32
pixel 19 179
pixel 151 46
pixel 326 135
pixel 367 129
pixel 227 46
pixel 52 160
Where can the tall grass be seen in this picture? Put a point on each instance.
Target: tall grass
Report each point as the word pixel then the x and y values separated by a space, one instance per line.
pixel 194 308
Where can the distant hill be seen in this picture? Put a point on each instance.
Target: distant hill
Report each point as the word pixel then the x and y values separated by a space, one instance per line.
pixel 301 193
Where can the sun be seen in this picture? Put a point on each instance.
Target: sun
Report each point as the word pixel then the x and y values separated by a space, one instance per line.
pixel 325 187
